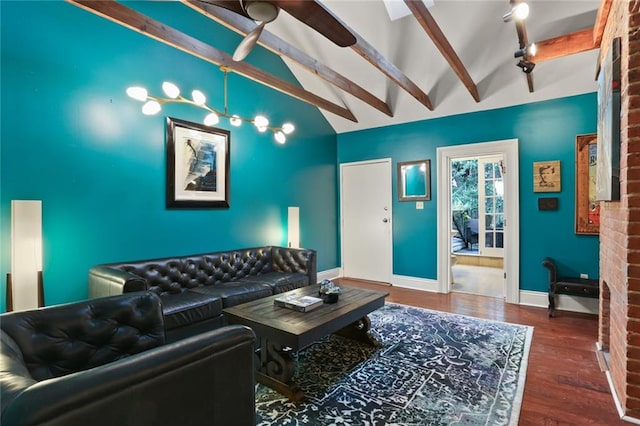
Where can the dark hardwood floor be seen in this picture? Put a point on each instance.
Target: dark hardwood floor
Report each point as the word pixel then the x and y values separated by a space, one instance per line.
pixel 564 383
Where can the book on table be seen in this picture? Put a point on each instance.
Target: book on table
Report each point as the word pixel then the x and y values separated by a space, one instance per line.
pixel 298 303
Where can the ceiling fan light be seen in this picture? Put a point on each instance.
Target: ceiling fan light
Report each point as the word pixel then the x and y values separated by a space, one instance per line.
pixel 170 89
pixel 138 93
pixel 235 120
pixel 211 119
pixel 280 137
pixel 262 11
pixel 198 97
pixel 288 128
pixel 151 108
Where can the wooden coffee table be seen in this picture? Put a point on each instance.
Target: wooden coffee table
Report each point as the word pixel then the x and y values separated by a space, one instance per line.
pixel 283 331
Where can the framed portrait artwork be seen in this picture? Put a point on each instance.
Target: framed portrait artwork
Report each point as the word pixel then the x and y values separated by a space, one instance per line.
pixel 197 165
pixel 546 176
pixel 587 207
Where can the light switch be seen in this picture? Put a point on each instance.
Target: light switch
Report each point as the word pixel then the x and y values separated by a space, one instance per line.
pixel 419 205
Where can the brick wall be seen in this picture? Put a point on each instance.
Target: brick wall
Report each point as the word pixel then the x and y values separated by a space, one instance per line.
pixel 620 222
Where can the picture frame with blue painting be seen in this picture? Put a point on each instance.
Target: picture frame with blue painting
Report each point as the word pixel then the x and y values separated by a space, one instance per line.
pixel 197 165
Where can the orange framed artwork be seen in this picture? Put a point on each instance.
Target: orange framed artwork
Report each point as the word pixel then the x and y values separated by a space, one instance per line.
pixel 587 208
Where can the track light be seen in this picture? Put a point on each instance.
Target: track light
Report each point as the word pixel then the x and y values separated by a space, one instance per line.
pixel 526 52
pixel 519 12
pixel 527 66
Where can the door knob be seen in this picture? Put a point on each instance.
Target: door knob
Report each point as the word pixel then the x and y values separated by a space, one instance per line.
pixel 385 220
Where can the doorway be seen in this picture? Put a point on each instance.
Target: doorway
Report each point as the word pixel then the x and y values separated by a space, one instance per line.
pixel 365 209
pixel 477 232
pixel 500 228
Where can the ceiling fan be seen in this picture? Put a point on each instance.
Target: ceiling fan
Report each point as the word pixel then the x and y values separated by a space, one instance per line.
pixel 308 12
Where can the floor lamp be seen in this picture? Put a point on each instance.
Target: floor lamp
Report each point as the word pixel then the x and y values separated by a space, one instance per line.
pixel 25 288
pixel 293 227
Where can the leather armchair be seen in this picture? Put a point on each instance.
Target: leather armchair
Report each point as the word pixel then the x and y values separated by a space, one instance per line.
pixel 104 362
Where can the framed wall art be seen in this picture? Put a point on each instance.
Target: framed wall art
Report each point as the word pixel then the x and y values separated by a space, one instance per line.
pixel 546 176
pixel 587 208
pixel 197 165
pixel 608 165
pixel 414 180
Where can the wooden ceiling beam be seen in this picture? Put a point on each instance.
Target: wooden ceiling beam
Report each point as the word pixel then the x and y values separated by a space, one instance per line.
pixel 268 40
pixel 424 17
pixel 601 21
pixel 371 55
pixel 564 45
pixel 142 24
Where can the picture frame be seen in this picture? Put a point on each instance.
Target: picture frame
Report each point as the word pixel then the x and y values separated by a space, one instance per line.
pixel 546 176
pixel 198 164
pixel 414 180
pixel 609 104
pixel 587 208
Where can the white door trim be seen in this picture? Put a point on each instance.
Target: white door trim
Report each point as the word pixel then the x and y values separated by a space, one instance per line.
pixel 509 149
pixel 390 204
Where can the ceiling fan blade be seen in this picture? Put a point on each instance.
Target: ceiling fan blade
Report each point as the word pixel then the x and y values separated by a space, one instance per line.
pixel 317 17
pixel 232 5
pixel 247 43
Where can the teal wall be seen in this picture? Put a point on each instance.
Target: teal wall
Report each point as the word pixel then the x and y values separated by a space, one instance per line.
pixel 545 130
pixel 72 138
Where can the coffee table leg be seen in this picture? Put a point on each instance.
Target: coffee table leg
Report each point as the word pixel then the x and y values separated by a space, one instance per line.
pixel 359 330
pixel 276 369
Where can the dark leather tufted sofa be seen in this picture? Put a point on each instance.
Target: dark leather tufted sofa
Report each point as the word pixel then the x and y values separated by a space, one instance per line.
pixel 195 289
pixel 105 362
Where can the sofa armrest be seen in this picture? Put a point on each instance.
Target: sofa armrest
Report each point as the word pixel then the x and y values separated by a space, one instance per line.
pixel 286 259
pixel 108 281
pixel 204 379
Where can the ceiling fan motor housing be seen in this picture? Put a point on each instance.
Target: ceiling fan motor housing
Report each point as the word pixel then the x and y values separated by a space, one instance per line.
pixel 262 11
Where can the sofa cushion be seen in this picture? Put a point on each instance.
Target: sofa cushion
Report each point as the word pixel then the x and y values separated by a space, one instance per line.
pixel 235 292
pixel 189 308
pixel 280 281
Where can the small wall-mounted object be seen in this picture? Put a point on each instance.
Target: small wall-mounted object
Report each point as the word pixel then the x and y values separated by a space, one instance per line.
pixel 548 203
pixel 414 180
pixel 419 205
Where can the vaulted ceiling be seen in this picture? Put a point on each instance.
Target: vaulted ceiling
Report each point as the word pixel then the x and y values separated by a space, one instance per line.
pixel 456 56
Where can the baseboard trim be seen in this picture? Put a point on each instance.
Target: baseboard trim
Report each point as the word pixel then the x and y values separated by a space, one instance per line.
pixel 605 368
pixel 537 299
pixel 565 302
pixel 414 283
pixel 329 274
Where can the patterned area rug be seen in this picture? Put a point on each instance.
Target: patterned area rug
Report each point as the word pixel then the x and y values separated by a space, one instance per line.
pixel 434 368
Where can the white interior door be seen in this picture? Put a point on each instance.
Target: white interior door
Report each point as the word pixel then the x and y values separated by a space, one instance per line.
pixel 365 200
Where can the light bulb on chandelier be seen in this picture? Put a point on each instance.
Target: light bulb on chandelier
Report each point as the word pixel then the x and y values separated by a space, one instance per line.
pixel 153 105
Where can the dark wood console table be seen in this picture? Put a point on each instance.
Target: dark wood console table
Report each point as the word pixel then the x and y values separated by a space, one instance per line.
pixel 568 285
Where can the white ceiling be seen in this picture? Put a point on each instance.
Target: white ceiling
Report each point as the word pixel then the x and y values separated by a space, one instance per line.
pixel 475 29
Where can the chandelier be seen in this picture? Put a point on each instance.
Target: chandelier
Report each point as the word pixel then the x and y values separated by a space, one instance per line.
pixel 153 105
